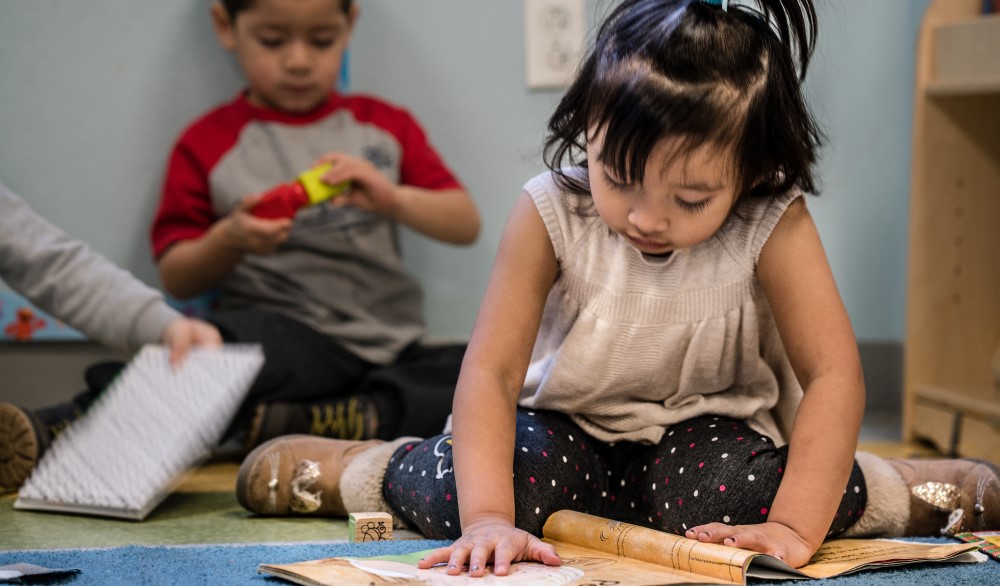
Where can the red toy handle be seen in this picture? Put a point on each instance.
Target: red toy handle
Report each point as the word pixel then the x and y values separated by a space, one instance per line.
pixel 281 201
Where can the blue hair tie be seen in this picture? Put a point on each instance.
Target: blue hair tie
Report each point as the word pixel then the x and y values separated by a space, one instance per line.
pixel 723 3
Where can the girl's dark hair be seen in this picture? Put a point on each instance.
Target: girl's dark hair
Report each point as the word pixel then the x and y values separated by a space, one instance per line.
pixel 234 7
pixel 688 70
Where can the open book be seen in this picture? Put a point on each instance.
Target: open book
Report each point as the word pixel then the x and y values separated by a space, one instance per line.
pixel 595 550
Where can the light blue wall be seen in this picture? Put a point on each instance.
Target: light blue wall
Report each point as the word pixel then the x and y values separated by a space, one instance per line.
pixel 861 87
pixel 92 94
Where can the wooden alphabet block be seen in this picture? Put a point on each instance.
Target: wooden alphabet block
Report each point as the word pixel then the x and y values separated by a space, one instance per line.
pixel 375 526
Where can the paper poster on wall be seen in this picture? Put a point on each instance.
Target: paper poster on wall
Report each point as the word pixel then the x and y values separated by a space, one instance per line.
pixel 20 321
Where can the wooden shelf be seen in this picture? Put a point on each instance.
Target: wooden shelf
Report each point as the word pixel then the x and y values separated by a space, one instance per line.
pixel 953 288
pixel 967 86
pixel 983 402
pixel 966 57
pixel 959 421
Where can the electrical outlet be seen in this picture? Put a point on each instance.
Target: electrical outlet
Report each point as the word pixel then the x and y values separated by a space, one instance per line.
pixel 554 33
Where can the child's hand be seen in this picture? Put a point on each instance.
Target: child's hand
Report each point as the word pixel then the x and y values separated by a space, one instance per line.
pixel 248 233
pixel 183 333
pixel 491 539
pixel 771 538
pixel 370 189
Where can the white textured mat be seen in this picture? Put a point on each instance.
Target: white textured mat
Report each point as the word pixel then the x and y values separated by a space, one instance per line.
pixel 151 425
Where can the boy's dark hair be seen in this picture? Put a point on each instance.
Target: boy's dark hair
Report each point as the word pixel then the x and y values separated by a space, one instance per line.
pixel 234 7
pixel 686 69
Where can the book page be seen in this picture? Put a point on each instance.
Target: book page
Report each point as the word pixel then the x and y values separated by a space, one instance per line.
pixel 649 545
pixel 834 558
pixel 580 567
pixel 842 556
pixel 595 550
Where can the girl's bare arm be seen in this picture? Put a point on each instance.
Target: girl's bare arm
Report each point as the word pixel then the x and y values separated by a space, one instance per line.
pixel 817 335
pixel 486 397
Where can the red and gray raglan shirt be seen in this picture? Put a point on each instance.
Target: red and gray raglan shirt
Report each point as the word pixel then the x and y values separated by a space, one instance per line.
pixel 341 270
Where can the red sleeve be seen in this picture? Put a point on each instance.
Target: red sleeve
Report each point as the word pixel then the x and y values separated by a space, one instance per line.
pixel 421 165
pixel 185 211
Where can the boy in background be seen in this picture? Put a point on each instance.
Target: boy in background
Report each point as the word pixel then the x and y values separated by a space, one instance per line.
pixel 325 292
pixel 67 279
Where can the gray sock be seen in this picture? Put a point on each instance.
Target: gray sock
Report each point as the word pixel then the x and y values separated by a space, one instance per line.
pixel 888 508
pixel 361 482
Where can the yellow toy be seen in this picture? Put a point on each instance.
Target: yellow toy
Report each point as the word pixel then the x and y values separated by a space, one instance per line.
pixel 283 201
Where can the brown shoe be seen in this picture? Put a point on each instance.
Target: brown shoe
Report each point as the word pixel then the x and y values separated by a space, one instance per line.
pixel 22 441
pixel 297 475
pixel 950 496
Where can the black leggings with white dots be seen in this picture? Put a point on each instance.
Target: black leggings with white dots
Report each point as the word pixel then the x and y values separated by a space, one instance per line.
pixel 706 469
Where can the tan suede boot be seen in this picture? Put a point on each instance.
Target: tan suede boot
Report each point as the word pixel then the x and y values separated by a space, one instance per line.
pixel 949 496
pixel 297 475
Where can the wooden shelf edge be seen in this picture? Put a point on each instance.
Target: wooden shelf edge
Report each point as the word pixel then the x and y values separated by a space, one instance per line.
pixel 983 401
pixel 971 86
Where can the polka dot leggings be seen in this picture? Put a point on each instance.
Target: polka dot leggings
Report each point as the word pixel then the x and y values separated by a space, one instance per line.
pixel 703 470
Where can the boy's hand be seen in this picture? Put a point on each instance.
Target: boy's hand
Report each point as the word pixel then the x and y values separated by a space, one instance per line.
pixel 184 332
pixel 774 539
pixel 370 189
pixel 248 233
pixel 491 539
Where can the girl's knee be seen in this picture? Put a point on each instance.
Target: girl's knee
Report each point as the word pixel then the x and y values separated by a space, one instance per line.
pixel 420 487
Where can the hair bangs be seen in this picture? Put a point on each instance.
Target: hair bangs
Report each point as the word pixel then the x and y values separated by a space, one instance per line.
pixel 636 108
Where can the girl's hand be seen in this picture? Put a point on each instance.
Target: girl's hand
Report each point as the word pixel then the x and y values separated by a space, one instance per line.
pixel 183 333
pixel 775 539
pixel 370 189
pixel 248 233
pixel 491 539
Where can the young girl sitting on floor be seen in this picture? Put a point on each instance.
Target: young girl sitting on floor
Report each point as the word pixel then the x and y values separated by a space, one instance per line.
pixel 662 341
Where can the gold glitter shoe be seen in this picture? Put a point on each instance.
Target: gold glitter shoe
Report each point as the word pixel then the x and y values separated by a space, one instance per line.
pixel 949 496
pixel 297 475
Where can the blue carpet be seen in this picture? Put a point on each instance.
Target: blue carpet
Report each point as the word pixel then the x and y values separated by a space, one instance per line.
pixel 237 564
pixel 196 564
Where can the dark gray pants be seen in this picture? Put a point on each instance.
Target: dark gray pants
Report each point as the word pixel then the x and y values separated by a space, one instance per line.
pixel 705 469
pixel 413 394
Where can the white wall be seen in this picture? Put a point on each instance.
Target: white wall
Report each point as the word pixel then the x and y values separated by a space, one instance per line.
pixel 92 95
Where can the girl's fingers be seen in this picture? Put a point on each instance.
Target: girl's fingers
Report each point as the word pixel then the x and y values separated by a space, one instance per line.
pixel 545 553
pixel 752 540
pixel 711 532
pixel 457 559
pixel 438 556
pixel 488 545
pixel 478 560
pixel 502 558
pixel 758 541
